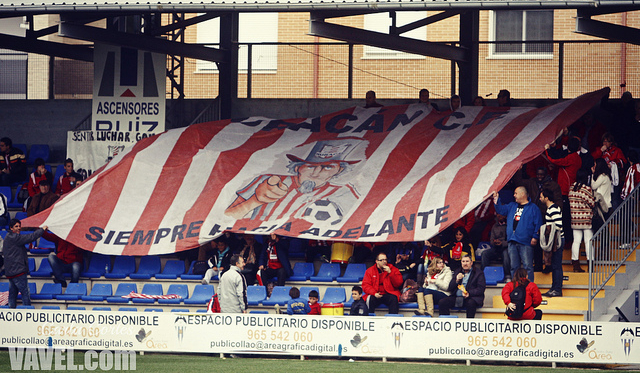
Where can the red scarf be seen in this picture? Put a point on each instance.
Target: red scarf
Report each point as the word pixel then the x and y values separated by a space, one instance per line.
pixel 456 252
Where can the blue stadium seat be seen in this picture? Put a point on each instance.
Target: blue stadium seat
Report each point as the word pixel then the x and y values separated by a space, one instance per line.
pixel 409 305
pixel 189 275
pixel 305 290
pixel 59 172
pixel 177 289
pixel 260 312
pixel 179 310
pixel 201 311
pixel 98 266
pixel 50 307
pixel 4 286
pixel 38 151
pixel 297 248
pixel 279 295
pixel 201 295
pixel 327 272
pixel 302 271
pixel 448 316
pixel 122 289
pixel 40 251
pixel 43 243
pixel 23 307
pixel 99 292
pixel 153 310
pixel 44 270
pixel 123 266
pixel 48 291
pixel 172 269
pixel 334 295
pixel 394 315
pixel 348 303
pixel 149 266
pixel 149 289
pixel 128 309
pixel 256 294
pixel 32 264
pixel 32 290
pixel 9 194
pixel 102 308
pixel 493 275
pixel 76 308
pixel 22 147
pixel 74 291
pixel 353 273
pixel 20 215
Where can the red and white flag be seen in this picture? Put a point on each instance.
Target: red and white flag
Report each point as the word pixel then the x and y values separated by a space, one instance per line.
pixel 397 173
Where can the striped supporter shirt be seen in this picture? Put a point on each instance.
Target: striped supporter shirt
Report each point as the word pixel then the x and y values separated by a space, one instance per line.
pixel 553 215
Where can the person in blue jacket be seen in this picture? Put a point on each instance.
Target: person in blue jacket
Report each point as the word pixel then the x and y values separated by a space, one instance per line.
pixel 523 226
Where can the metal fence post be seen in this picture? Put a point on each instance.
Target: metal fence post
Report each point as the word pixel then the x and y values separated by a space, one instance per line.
pixel 560 69
pixel 249 67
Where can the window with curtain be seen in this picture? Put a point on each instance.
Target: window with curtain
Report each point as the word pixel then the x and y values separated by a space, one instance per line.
pixel 523 25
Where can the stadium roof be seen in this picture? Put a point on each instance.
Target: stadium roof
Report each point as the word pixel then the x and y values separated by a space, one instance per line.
pixel 13 7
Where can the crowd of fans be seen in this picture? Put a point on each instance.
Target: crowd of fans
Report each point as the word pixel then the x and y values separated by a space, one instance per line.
pixel 559 200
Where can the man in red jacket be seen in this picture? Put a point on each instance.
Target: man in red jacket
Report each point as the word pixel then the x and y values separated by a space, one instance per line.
pixel 381 284
pixel 67 259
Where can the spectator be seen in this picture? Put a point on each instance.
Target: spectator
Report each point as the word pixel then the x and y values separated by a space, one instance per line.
pixel 617 163
pixel 533 298
pixel 232 289
pixel 16 265
pixel 5 216
pixel 582 202
pixel 274 261
pixel 523 223
pixel 454 102
pixel 43 200
pixel 435 287
pixel 316 248
pixel 13 163
pixel 504 98
pixel 424 99
pixel 633 174
pixel 381 285
pixel 458 247
pixel 404 254
pixel 499 246
pixel 370 100
pixel 432 249
pixel 69 179
pixel 553 216
pixel 479 101
pixel 219 262
pixel 297 305
pixel 601 185
pixel 40 173
pixel 359 306
pixel 467 288
pixel 250 251
pixel 67 259
pixel 314 306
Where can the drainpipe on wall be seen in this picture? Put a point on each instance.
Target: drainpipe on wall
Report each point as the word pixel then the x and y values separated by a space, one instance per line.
pixel 623 59
pixel 316 66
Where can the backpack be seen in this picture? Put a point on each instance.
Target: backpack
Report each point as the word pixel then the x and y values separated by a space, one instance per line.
pixel 409 290
pixel 214 304
pixel 518 297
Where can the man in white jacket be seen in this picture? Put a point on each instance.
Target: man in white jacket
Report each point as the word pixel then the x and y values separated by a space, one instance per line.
pixel 232 290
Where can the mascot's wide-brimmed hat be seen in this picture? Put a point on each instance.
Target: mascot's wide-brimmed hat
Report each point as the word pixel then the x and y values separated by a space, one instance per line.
pixel 330 151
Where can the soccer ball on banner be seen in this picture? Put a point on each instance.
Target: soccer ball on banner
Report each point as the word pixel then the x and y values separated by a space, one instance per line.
pixel 323 211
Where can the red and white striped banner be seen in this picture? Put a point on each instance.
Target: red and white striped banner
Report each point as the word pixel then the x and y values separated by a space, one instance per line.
pixel 147 296
pixel 4 298
pixel 397 173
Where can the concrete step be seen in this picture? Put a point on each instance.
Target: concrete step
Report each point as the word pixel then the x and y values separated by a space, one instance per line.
pixel 555 315
pixel 555 303
pixel 572 279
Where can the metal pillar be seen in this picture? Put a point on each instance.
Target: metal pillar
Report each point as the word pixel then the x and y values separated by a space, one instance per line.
pixel 469 36
pixel 228 77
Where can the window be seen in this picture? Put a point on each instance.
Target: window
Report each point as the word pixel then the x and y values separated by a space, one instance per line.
pixel 13 64
pixel 380 22
pixel 525 25
pixel 253 28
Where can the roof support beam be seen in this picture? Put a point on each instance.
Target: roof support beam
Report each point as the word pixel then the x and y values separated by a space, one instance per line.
pixel 75 52
pixel 182 24
pixel 588 26
pixel 392 42
pixel 143 42
pixel 424 22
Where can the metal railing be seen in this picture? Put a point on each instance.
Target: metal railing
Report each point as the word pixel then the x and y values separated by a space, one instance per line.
pixel 612 245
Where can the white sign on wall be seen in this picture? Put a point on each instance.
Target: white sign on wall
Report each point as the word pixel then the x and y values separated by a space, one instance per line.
pixel 373 337
pixel 128 90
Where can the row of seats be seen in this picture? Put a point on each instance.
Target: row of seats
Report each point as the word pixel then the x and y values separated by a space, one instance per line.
pixel 104 292
pixel 12 197
pixel 35 151
pixel 150 266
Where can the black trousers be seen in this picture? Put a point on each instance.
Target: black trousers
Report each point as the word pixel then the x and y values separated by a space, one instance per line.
pixel 445 305
pixel 389 299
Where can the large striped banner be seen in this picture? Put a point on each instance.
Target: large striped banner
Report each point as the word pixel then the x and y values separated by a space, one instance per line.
pixel 398 173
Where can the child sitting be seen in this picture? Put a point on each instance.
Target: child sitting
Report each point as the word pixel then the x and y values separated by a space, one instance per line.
pixel 359 306
pixel 313 303
pixel 297 305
